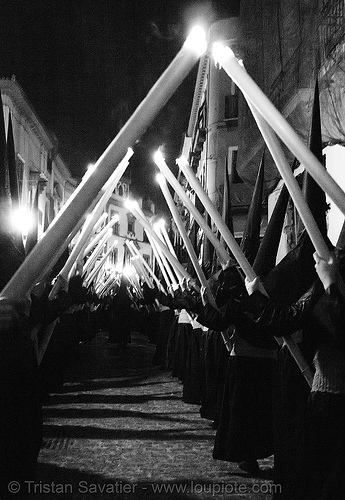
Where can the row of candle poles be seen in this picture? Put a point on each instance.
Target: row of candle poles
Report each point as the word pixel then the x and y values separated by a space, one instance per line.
pixel 95 188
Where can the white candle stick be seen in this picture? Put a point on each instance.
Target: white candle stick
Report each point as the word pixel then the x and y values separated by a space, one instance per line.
pixel 101 199
pixel 167 240
pixel 225 57
pixel 164 260
pixel 100 235
pixel 136 254
pixel 165 170
pixel 46 249
pixel 99 265
pixel 291 183
pixel 140 267
pixel 216 217
pixel 148 268
pixel 159 260
pixel 135 209
pixel 238 253
pixel 100 221
pixel 94 255
pixel 189 247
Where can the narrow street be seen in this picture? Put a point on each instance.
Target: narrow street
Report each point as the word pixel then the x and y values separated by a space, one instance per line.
pixel 119 430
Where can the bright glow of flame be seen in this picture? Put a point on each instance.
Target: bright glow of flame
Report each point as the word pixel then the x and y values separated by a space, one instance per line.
pixel 129 153
pixel 221 53
pixel 196 40
pixel 129 204
pixel 22 221
pixel 159 225
pixel 158 157
pixel 182 161
pixel 128 271
pixel 160 179
pixel 118 267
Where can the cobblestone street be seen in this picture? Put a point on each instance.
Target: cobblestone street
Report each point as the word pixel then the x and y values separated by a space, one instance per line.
pixel 119 429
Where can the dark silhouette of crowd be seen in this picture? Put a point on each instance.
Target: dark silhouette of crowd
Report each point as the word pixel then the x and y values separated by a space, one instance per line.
pixel 250 389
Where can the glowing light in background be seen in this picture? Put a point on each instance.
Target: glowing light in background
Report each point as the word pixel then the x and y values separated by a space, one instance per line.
pixel 22 221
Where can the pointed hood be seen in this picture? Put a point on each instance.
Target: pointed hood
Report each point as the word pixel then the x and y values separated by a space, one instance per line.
pixel 313 193
pixel 251 236
pixel 265 259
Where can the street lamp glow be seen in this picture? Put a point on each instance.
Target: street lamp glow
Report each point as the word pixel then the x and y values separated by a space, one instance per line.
pixel 22 221
pixel 196 40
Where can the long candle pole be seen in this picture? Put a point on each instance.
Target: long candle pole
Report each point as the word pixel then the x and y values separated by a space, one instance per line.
pixel 225 57
pixel 239 255
pixel 104 196
pixel 44 251
pixel 189 247
pixel 101 199
pixel 166 239
pixel 216 217
pixel 159 260
pixel 135 209
pixel 135 253
pixel 91 260
pixel 147 267
pixel 140 267
pixel 98 266
pixel 188 244
pixel 100 221
pixel 291 183
pixel 164 260
pixel 165 170
pixel 100 235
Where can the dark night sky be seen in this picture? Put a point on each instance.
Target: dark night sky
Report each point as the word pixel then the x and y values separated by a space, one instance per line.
pixel 85 65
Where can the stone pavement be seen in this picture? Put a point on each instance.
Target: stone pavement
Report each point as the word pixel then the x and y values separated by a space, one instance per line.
pixel 119 430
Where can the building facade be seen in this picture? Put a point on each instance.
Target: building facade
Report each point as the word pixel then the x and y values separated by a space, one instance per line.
pixel 45 183
pixel 211 142
pixel 41 172
pixel 287 47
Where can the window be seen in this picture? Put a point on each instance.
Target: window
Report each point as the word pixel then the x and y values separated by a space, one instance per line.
pixel 130 225
pixel 20 175
pixel 116 226
pixel 231 107
pixel 49 164
pixel 232 166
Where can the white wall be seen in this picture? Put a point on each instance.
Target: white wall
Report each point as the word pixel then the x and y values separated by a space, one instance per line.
pixel 335 165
